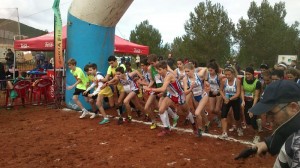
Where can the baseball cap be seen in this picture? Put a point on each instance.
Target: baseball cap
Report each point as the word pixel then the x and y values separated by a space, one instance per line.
pixel 281 91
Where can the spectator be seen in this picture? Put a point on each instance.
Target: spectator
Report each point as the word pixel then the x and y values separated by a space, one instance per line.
pixel 294 64
pixel 137 61
pixel 277 74
pixel 2 77
pixel 123 60
pixel 170 61
pixel 237 67
pixel 10 58
pixel 227 64
pixel 47 65
pixel 51 61
pixel 9 74
pixel 282 66
pixel 293 75
pixel 10 85
pixel 284 106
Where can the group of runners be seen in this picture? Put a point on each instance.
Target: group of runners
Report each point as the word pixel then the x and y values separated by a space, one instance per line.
pixel 157 90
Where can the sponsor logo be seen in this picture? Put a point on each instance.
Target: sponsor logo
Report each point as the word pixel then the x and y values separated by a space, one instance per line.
pixel 136 50
pixel 24 45
pixel 49 44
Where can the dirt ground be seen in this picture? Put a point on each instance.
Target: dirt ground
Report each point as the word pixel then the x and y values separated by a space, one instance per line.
pixel 43 137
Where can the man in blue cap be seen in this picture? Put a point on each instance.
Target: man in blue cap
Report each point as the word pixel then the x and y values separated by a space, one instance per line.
pixel 281 100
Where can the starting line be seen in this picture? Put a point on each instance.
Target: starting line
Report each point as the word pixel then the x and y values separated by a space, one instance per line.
pixel 184 130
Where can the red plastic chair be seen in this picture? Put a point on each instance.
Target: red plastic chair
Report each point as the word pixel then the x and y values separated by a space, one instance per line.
pixel 22 89
pixel 42 87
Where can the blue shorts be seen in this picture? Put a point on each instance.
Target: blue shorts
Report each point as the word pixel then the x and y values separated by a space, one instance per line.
pixel 198 98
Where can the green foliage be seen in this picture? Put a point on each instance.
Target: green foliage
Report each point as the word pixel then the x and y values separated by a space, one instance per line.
pixel 146 34
pixel 265 35
pixel 208 35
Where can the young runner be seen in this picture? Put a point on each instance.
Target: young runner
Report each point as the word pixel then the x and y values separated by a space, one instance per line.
pixel 130 87
pixel 193 84
pixel 230 91
pixel 91 100
pixel 100 92
pixel 111 71
pixel 156 82
pixel 215 99
pixel 147 81
pixel 80 84
pixel 250 92
pixel 175 95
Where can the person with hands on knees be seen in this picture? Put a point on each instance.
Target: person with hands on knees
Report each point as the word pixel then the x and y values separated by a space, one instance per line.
pixel 281 100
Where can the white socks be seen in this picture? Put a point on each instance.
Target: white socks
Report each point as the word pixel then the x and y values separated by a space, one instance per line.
pixel 165 119
pixel 191 118
pixel 171 113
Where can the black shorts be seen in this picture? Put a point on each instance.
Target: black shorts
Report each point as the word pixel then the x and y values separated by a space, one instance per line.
pixel 95 97
pixel 210 94
pixel 78 91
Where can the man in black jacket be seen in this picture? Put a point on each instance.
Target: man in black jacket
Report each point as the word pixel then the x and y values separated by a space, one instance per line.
pixel 10 57
pixel 281 100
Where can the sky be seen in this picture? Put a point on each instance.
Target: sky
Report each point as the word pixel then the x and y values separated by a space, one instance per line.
pixel 168 16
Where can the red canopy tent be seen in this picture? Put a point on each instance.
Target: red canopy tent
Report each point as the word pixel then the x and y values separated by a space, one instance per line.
pixel 46 43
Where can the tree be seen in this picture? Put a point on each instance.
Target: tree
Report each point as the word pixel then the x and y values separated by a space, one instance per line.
pixel 146 34
pixel 265 35
pixel 208 34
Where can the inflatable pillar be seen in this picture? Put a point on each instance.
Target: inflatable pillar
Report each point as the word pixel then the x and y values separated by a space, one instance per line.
pixel 91 34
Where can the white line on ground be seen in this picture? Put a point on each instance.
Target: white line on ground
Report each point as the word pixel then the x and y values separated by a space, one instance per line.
pixel 186 131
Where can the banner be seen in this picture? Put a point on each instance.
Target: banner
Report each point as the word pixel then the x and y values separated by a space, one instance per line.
pixel 58 51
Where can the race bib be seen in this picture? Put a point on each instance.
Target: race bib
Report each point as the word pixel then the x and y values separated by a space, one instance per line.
pixel 197 91
pixel 249 96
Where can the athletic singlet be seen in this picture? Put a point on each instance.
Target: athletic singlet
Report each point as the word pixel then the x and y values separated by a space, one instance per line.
pixel 214 84
pixel 146 76
pixel 156 77
pixel 230 90
pixel 198 88
pixel 128 84
pixel 174 88
pixel 249 89
pixel 179 74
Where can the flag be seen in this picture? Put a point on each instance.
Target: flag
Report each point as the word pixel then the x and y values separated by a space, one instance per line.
pixel 58 51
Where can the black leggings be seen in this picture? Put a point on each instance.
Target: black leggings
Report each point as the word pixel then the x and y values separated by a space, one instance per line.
pixel 250 121
pixel 235 104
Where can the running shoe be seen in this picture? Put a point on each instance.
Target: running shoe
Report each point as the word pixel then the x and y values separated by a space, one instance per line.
pixel 233 128
pixel 244 126
pixel 224 136
pixel 165 131
pixel 240 132
pixel 104 121
pixel 128 119
pixel 93 115
pixel 256 139
pixel 153 126
pixel 120 121
pixel 200 132
pixel 175 120
pixel 84 113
